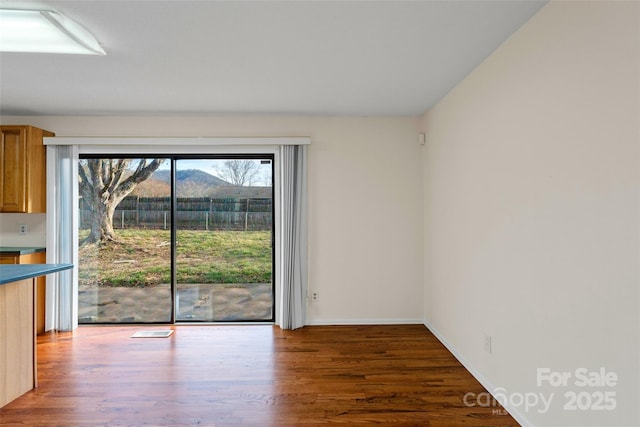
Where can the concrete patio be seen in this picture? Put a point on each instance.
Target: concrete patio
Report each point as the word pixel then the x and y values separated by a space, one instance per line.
pixel 196 303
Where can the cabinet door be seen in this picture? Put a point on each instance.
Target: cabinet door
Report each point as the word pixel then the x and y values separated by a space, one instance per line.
pixel 40 289
pixel 13 170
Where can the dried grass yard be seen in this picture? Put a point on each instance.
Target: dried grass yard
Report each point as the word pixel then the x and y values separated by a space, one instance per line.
pixel 141 258
pixel 222 276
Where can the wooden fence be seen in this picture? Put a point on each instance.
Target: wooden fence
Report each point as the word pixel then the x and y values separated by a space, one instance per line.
pixel 201 213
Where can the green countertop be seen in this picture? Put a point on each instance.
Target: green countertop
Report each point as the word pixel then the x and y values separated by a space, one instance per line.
pixel 14 272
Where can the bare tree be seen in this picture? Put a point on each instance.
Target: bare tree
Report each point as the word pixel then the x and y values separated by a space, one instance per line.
pixel 239 172
pixel 103 185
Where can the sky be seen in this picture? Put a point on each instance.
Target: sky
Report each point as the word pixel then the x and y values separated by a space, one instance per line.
pixel 212 166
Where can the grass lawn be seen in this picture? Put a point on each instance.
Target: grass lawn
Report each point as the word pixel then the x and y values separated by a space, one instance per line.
pixel 142 258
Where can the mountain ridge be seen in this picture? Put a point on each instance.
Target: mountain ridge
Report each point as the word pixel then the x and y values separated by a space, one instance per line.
pixel 195 176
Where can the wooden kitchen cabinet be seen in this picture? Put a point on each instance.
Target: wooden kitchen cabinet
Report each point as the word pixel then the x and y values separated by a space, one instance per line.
pixel 40 283
pixel 17 340
pixel 18 348
pixel 23 169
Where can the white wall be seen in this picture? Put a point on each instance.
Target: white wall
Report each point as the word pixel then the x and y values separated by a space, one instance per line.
pixel 531 183
pixel 10 227
pixel 365 202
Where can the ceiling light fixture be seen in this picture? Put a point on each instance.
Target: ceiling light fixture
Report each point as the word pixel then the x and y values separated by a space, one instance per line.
pixel 44 31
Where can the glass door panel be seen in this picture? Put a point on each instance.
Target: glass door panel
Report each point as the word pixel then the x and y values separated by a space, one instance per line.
pixel 224 235
pixel 124 250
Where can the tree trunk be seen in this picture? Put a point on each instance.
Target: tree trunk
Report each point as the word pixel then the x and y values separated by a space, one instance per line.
pixel 106 223
pixel 102 222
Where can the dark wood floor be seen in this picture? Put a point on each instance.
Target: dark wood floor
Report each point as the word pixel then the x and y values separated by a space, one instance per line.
pixel 250 375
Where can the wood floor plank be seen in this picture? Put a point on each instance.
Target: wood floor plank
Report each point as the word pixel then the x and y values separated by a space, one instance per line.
pixel 254 375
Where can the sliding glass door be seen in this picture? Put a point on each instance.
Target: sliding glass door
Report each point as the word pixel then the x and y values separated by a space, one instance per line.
pixel 124 250
pixel 192 240
pixel 224 235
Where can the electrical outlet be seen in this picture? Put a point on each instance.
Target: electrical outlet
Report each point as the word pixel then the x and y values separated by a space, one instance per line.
pixel 22 229
pixel 315 296
pixel 487 343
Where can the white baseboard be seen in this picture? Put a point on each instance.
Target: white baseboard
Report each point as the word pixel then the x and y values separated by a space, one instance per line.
pixel 330 322
pixel 517 415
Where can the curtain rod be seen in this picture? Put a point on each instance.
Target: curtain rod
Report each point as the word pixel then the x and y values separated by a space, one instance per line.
pixel 166 141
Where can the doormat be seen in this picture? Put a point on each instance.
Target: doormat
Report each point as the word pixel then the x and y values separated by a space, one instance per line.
pixel 152 334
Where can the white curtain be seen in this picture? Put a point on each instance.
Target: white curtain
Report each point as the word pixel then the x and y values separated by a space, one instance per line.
pixel 62 237
pixel 293 159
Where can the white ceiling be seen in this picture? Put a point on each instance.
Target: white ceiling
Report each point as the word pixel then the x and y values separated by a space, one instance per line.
pixel 275 57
